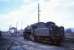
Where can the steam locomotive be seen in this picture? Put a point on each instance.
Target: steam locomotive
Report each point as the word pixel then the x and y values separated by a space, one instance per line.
pixel 45 33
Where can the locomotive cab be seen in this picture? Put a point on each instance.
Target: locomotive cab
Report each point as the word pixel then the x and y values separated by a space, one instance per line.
pixel 57 36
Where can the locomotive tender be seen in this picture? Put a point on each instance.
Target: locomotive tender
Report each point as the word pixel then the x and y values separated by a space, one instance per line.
pixel 45 33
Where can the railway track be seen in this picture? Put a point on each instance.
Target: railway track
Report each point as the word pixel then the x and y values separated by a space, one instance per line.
pixel 29 45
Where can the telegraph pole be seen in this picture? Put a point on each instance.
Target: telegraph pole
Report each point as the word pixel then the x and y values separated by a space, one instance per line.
pixel 38 12
pixel 16 29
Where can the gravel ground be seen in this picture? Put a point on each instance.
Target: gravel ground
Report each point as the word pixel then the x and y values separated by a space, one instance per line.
pixel 18 43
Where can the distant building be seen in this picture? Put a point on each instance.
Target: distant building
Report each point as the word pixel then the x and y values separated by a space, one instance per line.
pixel 0 33
pixel 69 33
pixel 13 31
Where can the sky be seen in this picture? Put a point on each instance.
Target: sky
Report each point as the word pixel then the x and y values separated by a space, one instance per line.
pixel 20 13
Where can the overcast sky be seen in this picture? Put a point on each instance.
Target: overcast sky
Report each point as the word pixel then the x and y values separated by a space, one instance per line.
pixel 24 12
